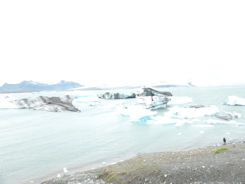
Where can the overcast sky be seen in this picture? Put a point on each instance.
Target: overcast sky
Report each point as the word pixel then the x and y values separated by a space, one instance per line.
pixel 122 42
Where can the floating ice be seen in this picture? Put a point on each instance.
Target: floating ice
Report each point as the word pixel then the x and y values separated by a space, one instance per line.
pixel 85 102
pixel 6 102
pixel 228 115
pixel 235 101
pixel 154 102
pixel 116 95
pixel 188 113
pixel 136 112
pixel 176 100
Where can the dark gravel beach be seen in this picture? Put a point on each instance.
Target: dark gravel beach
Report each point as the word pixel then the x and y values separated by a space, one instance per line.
pixel 223 164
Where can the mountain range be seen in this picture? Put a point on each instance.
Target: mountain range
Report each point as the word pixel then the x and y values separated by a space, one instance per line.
pixel 36 86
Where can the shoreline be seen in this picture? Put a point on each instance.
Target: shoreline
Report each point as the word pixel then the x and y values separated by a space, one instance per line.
pixel 75 169
pixel 198 165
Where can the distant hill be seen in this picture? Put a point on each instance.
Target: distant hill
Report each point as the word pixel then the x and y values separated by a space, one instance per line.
pixel 174 85
pixel 36 86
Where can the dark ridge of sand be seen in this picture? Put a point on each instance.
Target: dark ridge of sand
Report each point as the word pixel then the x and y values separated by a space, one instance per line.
pixel 197 166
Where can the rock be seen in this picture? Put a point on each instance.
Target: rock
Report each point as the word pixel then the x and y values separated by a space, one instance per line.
pixel 52 104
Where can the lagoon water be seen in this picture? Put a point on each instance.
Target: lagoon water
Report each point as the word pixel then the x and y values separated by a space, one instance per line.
pixel 34 144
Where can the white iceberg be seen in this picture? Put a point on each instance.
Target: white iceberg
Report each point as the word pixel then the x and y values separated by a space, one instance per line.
pixel 235 101
pixel 136 112
pixel 6 102
pixel 190 112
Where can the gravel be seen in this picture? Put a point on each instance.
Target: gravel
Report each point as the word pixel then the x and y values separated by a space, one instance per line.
pixel 195 166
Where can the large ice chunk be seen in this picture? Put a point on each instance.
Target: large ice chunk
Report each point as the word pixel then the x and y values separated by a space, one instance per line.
pixel 235 101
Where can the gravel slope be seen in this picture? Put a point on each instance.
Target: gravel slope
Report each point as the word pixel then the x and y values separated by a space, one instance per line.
pixel 194 166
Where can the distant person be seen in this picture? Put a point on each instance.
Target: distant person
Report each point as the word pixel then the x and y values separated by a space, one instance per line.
pixel 224 140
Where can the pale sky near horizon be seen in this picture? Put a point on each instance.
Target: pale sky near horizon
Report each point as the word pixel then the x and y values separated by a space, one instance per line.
pixel 123 42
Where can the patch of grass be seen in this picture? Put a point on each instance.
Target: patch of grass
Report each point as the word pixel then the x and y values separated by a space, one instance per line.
pixel 220 149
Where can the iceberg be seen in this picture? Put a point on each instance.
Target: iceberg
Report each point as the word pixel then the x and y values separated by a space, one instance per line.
pixel 154 102
pixel 235 101
pixel 113 96
pixel 150 98
pixel 6 102
pixel 227 115
pixel 137 113
pixel 153 92
pixel 194 111
pixel 52 104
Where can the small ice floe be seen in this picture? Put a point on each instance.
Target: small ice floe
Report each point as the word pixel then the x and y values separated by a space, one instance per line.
pixel 137 114
pixel 190 112
pixel 65 170
pixel 227 115
pixel 235 101
pixel 7 102
pixel 58 176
